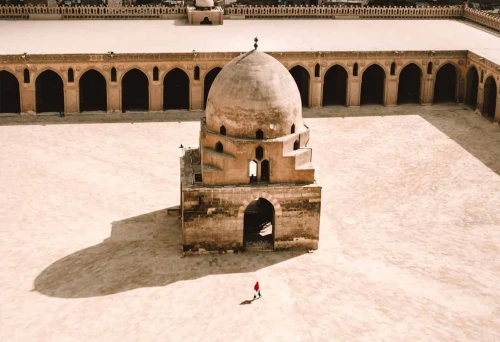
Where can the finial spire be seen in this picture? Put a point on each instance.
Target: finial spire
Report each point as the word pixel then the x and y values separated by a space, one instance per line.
pixel 255 45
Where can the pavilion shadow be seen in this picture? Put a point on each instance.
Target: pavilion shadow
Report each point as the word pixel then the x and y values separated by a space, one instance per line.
pixel 142 251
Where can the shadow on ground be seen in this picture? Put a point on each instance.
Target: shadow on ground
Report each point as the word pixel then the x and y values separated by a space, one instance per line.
pixel 142 251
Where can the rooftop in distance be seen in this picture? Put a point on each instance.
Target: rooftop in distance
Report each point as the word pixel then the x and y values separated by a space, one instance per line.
pixel 175 36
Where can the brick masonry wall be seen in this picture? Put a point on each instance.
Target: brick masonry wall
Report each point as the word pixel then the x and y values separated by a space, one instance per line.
pixel 216 221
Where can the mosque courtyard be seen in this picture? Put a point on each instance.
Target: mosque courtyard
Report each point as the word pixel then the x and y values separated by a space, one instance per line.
pixel 409 240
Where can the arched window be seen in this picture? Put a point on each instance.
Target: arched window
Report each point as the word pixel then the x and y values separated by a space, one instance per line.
pixel 355 69
pixel 71 75
pixel 26 76
pixel 292 130
pixel 156 74
pixel 259 153
pixel 316 70
pixel 296 145
pixel 113 75
pixel 429 68
pixel 264 171
pixel 252 171
pixel 219 147
pixel 393 69
pixel 259 134
pixel 222 130
pixel 197 73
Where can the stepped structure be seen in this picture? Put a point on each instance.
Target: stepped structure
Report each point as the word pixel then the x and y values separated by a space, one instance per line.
pixel 251 182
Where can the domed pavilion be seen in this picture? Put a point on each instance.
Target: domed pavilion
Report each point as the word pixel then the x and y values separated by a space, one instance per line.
pixel 250 185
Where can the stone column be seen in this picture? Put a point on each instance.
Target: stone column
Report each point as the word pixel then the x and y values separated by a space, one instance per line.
pixel 428 91
pixel 196 96
pixel 114 97
pixel 71 98
pixel 27 97
pixel 316 92
pixel 461 90
pixel 391 91
pixel 480 98
pixel 497 109
pixel 354 91
pixel 156 97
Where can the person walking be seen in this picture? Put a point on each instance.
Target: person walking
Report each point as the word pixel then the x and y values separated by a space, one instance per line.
pixel 256 288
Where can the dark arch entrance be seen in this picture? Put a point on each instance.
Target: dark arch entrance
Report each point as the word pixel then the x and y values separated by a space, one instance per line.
pixel 176 90
pixel 335 86
pixel 49 92
pixel 135 91
pixel 93 95
pixel 372 85
pixel 207 83
pixel 446 80
pixel 9 93
pixel 301 77
pixel 409 84
pixel 258 224
pixel 490 98
pixel 472 85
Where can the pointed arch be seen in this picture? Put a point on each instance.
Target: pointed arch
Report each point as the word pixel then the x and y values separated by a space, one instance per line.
pixel 135 91
pixel 49 89
pixel 373 85
pixel 490 98
pixel 93 91
pixel 302 79
pixel 446 83
pixel 176 90
pixel 219 147
pixel 207 83
pixel 335 86
pixel 10 101
pixel 410 80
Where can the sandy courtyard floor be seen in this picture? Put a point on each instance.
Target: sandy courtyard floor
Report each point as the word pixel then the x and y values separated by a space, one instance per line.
pixel 409 247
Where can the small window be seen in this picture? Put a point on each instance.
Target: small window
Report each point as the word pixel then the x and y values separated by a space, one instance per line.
pixel 292 130
pixel 316 70
pixel 393 69
pixel 429 68
pixel 252 171
pixel 482 76
pixel 197 73
pixel 355 69
pixel 26 76
pixel 296 145
pixel 259 153
pixel 222 130
pixel 113 75
pixel 219 147
pixel 156 74
pixel 259 134
pixel 197 177
pixel 200 200
pixel 264 171
pixel 71 75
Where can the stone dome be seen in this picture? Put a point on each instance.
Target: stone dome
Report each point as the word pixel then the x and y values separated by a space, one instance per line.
pixel 254 92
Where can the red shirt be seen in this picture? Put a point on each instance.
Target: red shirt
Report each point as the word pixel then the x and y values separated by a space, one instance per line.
pixel 256 287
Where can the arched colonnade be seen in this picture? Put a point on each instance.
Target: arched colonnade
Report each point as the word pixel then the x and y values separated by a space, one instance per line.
pixel 140 88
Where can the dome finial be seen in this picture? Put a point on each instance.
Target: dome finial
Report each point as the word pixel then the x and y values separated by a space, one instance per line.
pixel 255 45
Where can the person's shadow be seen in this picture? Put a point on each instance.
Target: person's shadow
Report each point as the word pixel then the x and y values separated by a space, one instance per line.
pixel 142 251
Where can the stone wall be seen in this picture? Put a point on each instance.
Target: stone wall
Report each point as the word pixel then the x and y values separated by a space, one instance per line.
pixel 212 218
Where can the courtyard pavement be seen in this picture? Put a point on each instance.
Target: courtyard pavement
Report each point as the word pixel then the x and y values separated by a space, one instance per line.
pixel 409 243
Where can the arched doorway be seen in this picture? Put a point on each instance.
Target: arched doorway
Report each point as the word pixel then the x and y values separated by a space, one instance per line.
pixel 93 95
pixel 207 83
pixel 372 85
pixel 446 80
pixel 135 91
pixel 490 98
pixel 335 86
pixel 409 84
pixel 472 85
pixel 176 90
pixel 258 224
pixel 9 93
pixel 301 77
pixel 49 92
